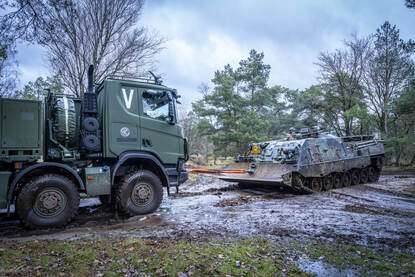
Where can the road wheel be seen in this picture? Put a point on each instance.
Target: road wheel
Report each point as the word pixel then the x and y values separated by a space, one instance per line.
pixel 364 176
pixel 373 174
pixel 337 180
pixel 140 193
pixel 346 179
pixel 49 200
pixel 355 174
pixel 316 184
pixel 328 182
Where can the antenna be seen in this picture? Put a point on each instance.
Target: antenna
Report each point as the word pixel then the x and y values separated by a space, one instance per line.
pixel 157 80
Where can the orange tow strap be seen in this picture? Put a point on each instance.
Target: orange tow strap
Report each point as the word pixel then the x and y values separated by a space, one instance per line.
pixel 206 170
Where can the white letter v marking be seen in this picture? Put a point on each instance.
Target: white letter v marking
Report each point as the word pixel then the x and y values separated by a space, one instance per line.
pixel 128 100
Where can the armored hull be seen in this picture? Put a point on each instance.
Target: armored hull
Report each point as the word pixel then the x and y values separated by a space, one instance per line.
pixel 313 162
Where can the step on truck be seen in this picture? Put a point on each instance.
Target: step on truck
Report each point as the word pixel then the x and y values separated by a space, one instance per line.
pixel 120 141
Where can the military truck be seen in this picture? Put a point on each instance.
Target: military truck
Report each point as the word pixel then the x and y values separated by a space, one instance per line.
pixel 120 142
pixel 311 160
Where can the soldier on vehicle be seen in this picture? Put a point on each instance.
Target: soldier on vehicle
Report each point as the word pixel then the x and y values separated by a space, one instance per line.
pixel 288 136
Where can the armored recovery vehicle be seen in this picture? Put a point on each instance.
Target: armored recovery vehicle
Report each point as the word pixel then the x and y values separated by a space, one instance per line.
pixel 313 161
pixel 120 142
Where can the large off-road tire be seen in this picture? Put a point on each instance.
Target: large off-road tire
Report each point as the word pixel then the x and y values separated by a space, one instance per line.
pixel 47 201
pixel 355 175
pixel 140 192
pixel 373 174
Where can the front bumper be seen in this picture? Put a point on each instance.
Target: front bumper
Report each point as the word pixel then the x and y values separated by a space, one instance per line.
pixel 177 175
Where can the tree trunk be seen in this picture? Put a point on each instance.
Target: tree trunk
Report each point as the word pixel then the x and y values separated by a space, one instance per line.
pixel 385 123
pixel 398 156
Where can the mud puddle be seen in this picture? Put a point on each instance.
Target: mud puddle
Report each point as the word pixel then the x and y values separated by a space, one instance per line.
pixel 379 215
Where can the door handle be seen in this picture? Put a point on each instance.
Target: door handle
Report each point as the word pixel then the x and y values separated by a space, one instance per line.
pixel 146 142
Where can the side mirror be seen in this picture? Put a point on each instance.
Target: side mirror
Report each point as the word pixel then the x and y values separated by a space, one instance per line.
pixel 172 113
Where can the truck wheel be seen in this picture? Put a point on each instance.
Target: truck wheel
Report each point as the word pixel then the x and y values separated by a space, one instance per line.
pixel 355 177
pixel 47 201
pixel 373 174
pixel 140 193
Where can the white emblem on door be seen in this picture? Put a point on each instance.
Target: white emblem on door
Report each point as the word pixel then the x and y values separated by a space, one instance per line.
pixel 125 132
pixel 128 99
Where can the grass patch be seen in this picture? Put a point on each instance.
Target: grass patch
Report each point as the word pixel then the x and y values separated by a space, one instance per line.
pixel 366 261
pixel 248 257
pixel 397 168
pixel 193 177
pixel 252 257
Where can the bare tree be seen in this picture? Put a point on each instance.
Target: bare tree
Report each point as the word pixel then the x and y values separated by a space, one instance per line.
pixel 389 72
pixel 78 33
pixel 342 74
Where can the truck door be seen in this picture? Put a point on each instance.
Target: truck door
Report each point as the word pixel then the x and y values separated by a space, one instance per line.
pixel 159 135
pixel 123 115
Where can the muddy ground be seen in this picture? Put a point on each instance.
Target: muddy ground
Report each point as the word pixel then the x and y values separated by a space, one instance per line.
pixel 376 215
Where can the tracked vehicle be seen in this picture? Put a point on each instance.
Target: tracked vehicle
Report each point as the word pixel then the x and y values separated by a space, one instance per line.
pixel 120 142
pixel 313 161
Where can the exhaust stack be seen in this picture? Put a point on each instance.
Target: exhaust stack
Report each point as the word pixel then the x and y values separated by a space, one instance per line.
pixel 91 79
pixel 90 131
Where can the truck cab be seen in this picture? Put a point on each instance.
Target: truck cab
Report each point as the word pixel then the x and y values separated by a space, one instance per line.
pixel 142 117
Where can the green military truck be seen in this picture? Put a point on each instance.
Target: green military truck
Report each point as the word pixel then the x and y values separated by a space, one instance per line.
pixel 120 142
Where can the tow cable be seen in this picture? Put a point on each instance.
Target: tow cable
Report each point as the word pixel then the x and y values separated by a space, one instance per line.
pixel 207 170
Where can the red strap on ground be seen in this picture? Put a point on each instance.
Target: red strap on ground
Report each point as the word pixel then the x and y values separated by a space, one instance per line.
pixel 207 170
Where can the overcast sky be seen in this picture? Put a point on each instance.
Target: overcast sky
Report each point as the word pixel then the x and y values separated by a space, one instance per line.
pixel 203 36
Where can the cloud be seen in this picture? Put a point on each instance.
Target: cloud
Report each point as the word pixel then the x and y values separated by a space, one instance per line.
pixel 204 36
pixel 32 63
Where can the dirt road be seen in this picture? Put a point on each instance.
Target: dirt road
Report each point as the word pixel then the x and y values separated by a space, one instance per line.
pixel 376 215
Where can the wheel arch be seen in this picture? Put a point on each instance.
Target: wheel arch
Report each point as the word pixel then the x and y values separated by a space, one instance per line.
pixel 51 167
pixel 149 161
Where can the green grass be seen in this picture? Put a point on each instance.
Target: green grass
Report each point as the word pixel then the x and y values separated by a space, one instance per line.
pixel 366 261
pixel 397 168
pixel 193 177
pixel 248 257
